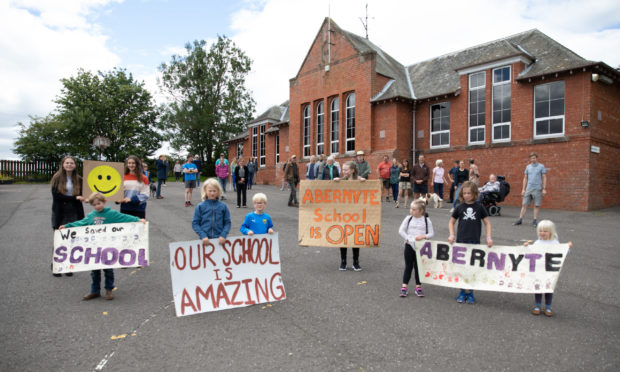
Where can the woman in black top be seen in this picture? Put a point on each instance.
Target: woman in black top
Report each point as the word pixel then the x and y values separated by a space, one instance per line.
pixel 404 184
pixel 242 178
pixel 461 175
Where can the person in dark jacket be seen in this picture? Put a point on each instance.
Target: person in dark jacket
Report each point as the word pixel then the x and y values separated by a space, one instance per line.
pixel 330 171
pixel 292 178
pixel 252 168
pixel 242 174
pixel 162 173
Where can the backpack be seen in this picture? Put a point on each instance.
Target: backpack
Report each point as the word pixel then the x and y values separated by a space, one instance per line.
pixel 425 221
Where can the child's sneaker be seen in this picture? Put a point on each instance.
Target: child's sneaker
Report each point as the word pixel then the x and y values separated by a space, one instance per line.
pixel 548 311
pixel 461 297
pixel 470 298
pixel 356 266
pixel 419 292
pixel 404 291
pixel 343 266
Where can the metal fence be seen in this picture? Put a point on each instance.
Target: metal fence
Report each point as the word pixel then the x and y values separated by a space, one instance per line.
pixel 18 170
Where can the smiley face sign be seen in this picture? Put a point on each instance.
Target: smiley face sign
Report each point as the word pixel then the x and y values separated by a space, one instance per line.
pixel 103 177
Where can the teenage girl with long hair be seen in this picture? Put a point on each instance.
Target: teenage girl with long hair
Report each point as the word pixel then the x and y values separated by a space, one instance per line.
pixel 136 188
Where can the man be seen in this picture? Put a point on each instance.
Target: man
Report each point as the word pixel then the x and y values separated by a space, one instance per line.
pixel 420 177
pixel 198 164
pixel 162 173
pixel 320 166
pixel 312 169
pixel 384 173
pixel 221 171
pixel 363 167
pixel 534 187
pixel 452 177
pixel 190 171
pixel 252 170
pixel 292 177
pixel 489 187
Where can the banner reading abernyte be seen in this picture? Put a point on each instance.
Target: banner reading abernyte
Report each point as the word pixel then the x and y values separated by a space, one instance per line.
pixel 208 277
pixel 340 214
pixel 101 247
pixel 500 268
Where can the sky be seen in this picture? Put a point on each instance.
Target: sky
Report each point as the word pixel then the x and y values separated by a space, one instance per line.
pixel 43 41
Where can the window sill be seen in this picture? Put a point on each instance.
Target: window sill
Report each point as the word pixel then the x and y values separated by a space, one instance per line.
pixel 562 138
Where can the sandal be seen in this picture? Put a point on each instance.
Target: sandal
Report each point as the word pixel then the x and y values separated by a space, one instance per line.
pixel 536 311
pixel 548 312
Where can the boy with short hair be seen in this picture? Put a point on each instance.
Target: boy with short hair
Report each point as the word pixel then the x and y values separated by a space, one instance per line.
pixel 257 222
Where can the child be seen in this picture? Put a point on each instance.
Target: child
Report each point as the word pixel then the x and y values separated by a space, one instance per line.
pixel 136 188
pixel 349 172
pixel 100 216
pixel 211 217
pixel 469 213
pixel 415 227
pixel 546 235
pixel 257 222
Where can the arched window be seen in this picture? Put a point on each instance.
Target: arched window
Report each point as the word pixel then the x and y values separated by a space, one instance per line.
pixel 335 125
pixel 306 132
pixel 320 129
pixel 350 120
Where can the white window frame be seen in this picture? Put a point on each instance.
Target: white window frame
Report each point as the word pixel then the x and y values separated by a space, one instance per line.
pixel 254 142
pixel 469 102
pixel 439 132
pixel 239 149
pixel 350 122
pixel 277 148
pixel 334 129
pixel 306 131
pixel 497 85
pixel 320 128
pixel 263 157
pixel 536 120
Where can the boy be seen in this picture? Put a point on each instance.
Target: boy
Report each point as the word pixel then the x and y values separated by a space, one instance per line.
pixel 101 215
pixel 257 222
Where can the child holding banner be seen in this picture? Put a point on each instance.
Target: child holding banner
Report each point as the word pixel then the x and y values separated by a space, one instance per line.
pixel 211 217
pixel 100 216
pixel 546 235
pixel 136 188
pixel 470 215
pixel 415 227
pixel 349 172
pixel 257 222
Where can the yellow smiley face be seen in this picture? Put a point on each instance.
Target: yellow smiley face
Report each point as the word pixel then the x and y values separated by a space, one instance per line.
pixel 104 179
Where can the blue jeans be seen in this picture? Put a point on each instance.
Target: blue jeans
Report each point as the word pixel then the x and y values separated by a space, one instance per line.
pixel 395 191
pixel 250 179
pixel 108 284
pixel 438 189
pixel 159 187
pixel 234 182
pixel 456 196
pixel 198 180
pixel 222 183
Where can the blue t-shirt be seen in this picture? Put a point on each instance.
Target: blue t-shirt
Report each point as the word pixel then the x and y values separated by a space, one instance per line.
pixel 258 223
pixel 534 176
pixel 190 176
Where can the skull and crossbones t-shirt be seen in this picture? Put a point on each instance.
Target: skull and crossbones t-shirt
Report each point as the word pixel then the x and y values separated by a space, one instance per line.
pixel 469 217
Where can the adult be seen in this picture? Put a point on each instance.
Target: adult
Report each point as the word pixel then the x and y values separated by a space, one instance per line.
pixel 233 166
pixel 439 178
pixel 420 178
pixel 474 174
pixel 404 184
pixel 460 176
pixel 162 173
pixel 312 169
pixel 452 177
pixel 534 187
pixel 221 171
pixel 190 171
pixel 136 186
pixel 241 176
pixel 66 186
pixel 252 168
pixel 489 187
pixel 198 164
pixel 394 178
pixel 330 171
pixel 363 168
pixel 178 171
pixel 320 166
pixel 292 178
pixel 284 184
pixel 383 169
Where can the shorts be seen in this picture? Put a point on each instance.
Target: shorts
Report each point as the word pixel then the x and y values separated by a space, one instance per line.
pixel 190 184
pixel 532 195
pixel 386 183
pixel 404 185
pixel 420 188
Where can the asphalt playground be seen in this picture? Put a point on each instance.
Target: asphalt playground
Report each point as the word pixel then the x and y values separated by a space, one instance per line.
pixel 330 321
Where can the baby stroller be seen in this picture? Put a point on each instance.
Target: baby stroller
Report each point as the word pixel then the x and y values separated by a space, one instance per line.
pixel 490 200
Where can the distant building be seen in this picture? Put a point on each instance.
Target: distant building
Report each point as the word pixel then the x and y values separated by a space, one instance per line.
pixel 494 102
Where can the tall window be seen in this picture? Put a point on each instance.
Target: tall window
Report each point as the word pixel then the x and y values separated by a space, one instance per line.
pixel 335 124
pixel 320 129
pixel 476 107
pixel 277 148
pixel 239 149
pixel 254 141
pixel 501 104
pixel 440 125
pixel 350 120
pixel 307 130
pixel 262 145
pixel 549 109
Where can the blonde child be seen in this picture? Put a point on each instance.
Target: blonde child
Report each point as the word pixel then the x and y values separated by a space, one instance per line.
pixel 546 235
pixel 415 227
pixel 100 216
pixel 349 172
pixel 470 214
pixel 257 222
pixel 211 216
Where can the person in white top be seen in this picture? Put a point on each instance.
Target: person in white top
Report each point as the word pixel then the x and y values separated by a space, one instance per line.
pixel 415 227
pixel 439 178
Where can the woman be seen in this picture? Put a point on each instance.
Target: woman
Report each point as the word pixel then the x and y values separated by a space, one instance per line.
pixel 474 175
pixel 233 167
pixel 461 175
pixel 177 170
pixel 394 178
pixel 66 186
pixel 136 186
pixel 241 174
pixel 404 184
pixel 330 171
pixel 439 178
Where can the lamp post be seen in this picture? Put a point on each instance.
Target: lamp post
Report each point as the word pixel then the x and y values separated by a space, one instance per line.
pixel 101 143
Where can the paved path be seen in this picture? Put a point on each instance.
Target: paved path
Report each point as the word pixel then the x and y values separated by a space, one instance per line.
pixel 331 321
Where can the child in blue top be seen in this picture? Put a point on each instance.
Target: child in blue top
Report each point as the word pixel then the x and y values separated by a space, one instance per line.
pixel 100 216
pixel 211 216
pixel 257 222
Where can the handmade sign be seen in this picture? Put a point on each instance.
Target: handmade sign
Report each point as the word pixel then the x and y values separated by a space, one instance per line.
pixel 340 214
pixel 500 268
pixel 244 271
pixel 103 177
pixel 101 247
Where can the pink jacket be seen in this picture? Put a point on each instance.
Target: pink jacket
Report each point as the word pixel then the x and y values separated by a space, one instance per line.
pixel 221 170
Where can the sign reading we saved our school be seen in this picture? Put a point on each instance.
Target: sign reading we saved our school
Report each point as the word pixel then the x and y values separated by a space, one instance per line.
pixel 340 213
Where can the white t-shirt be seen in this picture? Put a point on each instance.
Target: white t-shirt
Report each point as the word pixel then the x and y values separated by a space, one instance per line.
pixel 416 227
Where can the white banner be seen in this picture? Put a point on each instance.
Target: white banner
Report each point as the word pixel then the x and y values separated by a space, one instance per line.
pixel 244 271
pixel 101 247
pixel 500 268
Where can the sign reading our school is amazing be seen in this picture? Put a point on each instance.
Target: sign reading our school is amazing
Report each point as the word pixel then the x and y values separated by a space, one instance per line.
pixel 520 269
pixel 244 271
pixel 340 214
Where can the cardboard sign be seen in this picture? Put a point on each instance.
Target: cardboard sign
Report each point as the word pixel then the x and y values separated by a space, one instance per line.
pixel 103 177
pixel 95 247
pixel 209 277
pixel 340 214
pixel 500 268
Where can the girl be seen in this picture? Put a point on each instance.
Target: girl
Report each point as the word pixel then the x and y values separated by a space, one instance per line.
pixel 211 217
pixel 136 188
pixel 439 178
pixel 66 186
pixel 394 178
pixel 349 172
pixel 415 227
pixel 546 235
pixel 405 182
pixel 469 213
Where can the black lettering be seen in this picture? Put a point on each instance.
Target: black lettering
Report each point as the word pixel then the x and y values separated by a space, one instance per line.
pixel 550 262
pixel 515 260
pixel 477 254
pixel 443 252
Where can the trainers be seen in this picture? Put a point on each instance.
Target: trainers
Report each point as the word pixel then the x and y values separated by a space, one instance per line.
pixel 470 298
pixel 536 310
pixel 461 297
pixel 90 296
pixel 517 222
pixel 534 223
pixel 419 292
pixel 68 274
pixel 57 275
pixel 343 266
pixel 404 291
pixel 356 266
pixel 109 295
pixel 548 312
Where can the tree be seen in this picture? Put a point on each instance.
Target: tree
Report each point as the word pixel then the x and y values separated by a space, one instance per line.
pixel 42 139
pixel 208 99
